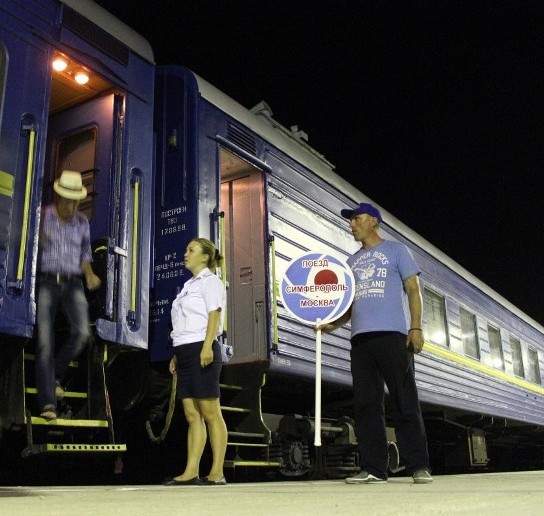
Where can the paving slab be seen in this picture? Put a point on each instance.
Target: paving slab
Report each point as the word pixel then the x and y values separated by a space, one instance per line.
pixel 497 494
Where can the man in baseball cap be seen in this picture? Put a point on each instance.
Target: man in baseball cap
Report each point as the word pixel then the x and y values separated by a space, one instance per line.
pixel 364 207
pixel 384 337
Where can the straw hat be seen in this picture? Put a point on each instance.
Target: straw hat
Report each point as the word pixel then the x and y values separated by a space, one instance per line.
pixel 70 186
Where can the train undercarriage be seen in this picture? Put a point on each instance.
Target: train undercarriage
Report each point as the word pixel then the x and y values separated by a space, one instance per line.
pixel 123 410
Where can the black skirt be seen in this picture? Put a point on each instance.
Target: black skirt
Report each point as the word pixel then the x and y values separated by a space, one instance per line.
pixel 195 381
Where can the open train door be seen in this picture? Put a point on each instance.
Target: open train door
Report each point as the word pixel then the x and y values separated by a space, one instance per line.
pixel 242 202
pixel 90 137
pixel 81 138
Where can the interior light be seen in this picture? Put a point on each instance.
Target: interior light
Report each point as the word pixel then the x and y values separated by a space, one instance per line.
pixel 81 77
pixel 60 63
pixel 439 337
pixel 497 362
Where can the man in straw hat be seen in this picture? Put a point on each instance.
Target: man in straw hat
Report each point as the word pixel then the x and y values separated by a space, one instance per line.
pixel 64 260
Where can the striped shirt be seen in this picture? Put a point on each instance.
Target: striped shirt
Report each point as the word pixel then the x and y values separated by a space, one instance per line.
pixel 64 246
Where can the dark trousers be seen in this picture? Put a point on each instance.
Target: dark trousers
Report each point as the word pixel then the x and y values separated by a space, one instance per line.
pixel 68 295
pixel 377 358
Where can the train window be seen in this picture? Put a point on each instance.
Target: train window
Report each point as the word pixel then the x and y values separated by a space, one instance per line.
pixel 78 152
pixel 469 334
pixel 435 317
pixel 517 357
pixel 495 347
pixel 533 369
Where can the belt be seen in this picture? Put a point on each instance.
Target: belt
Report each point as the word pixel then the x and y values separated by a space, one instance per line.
pixel 58 277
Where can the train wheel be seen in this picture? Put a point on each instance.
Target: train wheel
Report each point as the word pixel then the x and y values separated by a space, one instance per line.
pixel 296 459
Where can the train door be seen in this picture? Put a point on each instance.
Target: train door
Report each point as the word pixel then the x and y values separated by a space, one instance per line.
pixel 23 78
pixel 88 129
pixel 81 138
pixel 242 201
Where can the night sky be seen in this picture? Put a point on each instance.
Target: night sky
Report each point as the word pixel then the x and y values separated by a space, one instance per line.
pixel 434 109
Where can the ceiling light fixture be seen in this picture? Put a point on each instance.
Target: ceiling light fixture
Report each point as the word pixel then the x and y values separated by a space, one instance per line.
pixel 60 63
pixel 81 77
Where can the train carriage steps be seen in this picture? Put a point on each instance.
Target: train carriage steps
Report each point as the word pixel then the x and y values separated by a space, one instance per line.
pixel 276 443
pixel 83 424
pixel 249 439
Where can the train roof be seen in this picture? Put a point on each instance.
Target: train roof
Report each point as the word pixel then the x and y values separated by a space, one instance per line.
pixel 112 25
pixel 261 122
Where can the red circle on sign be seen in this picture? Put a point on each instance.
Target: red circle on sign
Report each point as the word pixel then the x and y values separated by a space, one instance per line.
pixel 326 277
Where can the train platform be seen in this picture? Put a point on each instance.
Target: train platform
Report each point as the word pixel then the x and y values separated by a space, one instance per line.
pixel 481 494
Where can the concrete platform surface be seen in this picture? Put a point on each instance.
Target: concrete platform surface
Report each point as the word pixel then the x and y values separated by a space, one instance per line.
pixel 497 494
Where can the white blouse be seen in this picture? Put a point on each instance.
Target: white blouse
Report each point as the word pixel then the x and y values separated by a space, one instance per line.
pixel 200 295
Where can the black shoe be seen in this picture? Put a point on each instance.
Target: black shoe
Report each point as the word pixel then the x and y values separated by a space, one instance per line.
pixel 221 482
pixel 173 482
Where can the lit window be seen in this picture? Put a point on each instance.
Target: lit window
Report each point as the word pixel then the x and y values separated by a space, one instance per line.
pixel 517 357
pixel 495 347
pixel 534 368
pixel 435 318
pixel 469 334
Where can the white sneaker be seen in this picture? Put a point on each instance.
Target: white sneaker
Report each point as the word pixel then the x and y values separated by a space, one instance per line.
pixel 365 478
pixel 422 476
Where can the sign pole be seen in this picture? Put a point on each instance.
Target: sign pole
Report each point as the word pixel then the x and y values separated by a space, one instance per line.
pixel 317 431
pixel 317 288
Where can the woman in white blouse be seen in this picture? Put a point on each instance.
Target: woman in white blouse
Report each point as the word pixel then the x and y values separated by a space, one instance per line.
pixel 197 321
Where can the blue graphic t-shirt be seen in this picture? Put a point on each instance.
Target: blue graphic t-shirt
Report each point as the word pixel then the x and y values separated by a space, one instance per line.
pixel 380 302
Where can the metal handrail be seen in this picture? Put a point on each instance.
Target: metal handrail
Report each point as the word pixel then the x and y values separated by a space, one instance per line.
pixel 135 236
pixel 274 287
pixel 26 208
pixel 222 247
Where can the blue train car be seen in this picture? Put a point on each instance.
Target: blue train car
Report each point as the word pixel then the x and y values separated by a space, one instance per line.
pixel 76 92
pixel 257 188
pixel 102 128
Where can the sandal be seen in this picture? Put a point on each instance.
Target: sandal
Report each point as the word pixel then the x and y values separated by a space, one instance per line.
pixel 49 413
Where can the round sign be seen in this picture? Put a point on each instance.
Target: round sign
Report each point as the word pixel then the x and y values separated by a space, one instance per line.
pixel 317 286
